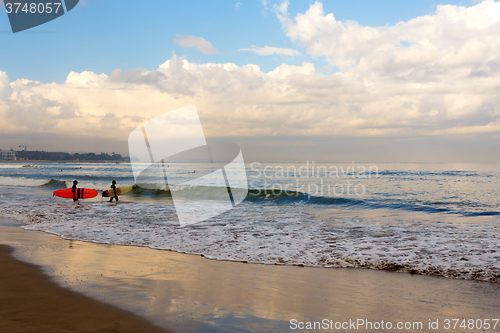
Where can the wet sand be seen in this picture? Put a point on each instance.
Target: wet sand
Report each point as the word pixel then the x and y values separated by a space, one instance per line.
pixel 30 302
pixel 192 294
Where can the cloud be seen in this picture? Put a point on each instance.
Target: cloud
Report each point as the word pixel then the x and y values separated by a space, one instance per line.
pixel 237 5
pixel 264 4
pixel 244 101
pixel 270 50
pixel 453 39
pixel 36 111
pixel 5 88
pixel 197 42
pixel 430 76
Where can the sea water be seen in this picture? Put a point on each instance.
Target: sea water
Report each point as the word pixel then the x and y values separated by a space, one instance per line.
pixel 435 219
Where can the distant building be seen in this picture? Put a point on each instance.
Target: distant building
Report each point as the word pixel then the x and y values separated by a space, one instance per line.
pixel 40 155
pixel 8 155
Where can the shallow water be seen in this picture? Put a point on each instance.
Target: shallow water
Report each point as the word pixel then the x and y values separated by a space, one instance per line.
pixel 192 294
pixel 438 219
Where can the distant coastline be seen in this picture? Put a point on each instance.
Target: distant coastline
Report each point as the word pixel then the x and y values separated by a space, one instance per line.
pixel 21 156
pixel 59 161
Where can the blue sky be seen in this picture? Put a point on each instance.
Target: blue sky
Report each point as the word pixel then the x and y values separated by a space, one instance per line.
pixel 100 36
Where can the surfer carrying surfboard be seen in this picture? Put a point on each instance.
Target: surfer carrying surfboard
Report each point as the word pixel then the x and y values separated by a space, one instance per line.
pixel 113 187
pixel 75 191
pixel 114 192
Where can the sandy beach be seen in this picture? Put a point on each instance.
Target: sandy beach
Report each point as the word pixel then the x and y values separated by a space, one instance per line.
pixel 192 294
pixel 30 302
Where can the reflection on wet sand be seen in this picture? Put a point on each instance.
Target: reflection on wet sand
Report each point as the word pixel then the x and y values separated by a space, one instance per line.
pixel 191 293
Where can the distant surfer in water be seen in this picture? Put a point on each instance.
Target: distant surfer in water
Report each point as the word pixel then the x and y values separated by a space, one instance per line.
pixel 75 191
pixel 113 187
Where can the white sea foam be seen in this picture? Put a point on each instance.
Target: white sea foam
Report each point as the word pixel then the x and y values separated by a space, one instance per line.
pixel 99 186
pixel 21 181
pixel 273 234
pixel 287 230
pixel 10 166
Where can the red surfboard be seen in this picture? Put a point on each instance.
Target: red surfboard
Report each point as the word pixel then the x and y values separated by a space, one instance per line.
pixel 81 193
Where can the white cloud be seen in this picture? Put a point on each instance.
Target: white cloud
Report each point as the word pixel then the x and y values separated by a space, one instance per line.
pixel 270 50
pixel 455 38
pixel 237 5
pixel 264 4
pixel 85 79
pixel 5 88
pixel 244 101
pixel 196 42
pixel 433 75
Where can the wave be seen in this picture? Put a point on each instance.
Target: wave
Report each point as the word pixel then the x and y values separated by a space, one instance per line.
pixel 288 197
pixel 417 173
pixel 261 195
pixel 299 197
pixel 52 183
pixel 141 190
pixel 283 237
pixel 279 233
pixel 23 182
pixel 291 197
pixel 56 183
pixel 491 213
pixel 10 166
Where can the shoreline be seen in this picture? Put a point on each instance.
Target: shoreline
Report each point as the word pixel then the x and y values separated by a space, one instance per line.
pixel 389 268
pixel 59 161
pixel 31 302
pixel 192 294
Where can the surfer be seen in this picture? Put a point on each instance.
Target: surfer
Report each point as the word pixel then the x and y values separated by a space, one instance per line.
pixel 75 191
pixel 113 187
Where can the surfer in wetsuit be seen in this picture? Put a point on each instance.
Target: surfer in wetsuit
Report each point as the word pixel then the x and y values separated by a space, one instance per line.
pixel 113 187
pixel 75 191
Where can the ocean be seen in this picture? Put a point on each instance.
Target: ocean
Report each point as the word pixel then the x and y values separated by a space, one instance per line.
pixel 432 219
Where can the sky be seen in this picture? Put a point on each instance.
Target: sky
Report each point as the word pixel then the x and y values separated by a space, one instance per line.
pixel 376 81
